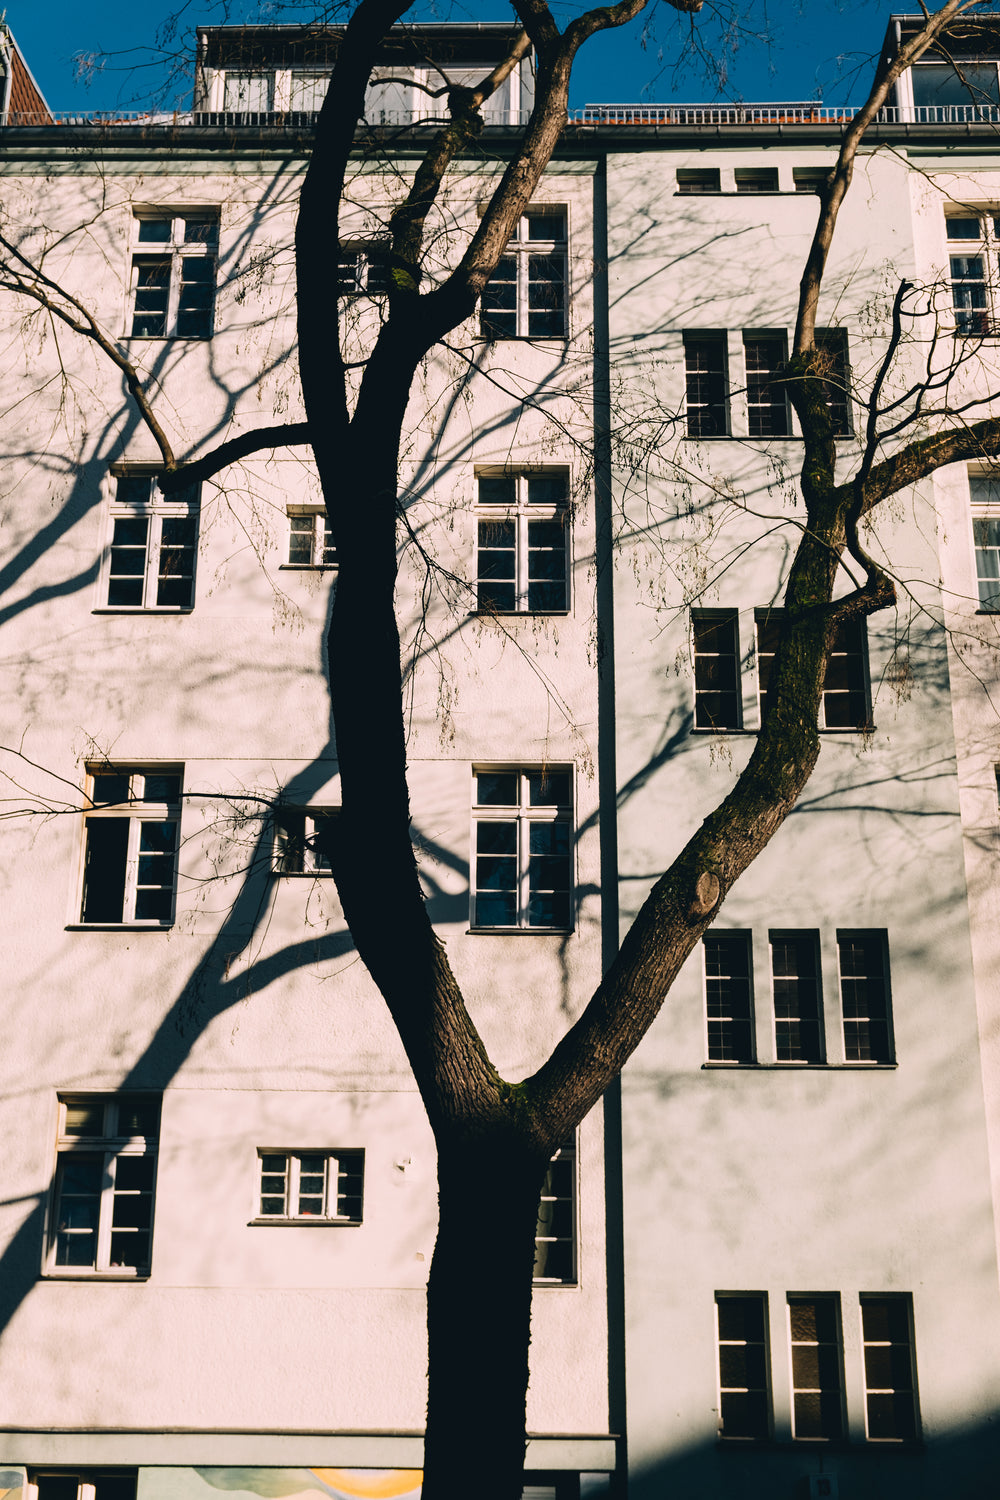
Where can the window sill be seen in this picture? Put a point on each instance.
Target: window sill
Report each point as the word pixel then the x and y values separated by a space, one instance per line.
pixel 989 613
pixel 314 1223
pixel 517 614
pixel 167 338
pixel 519 931
pixel 819 1445
pixel 302 874
pixel 118 926
pixel 308 567
pixel 551 1284
pixel 140 609
pixel 785 1067
pixel 751 731
pixel 524 338
pixel 83 1275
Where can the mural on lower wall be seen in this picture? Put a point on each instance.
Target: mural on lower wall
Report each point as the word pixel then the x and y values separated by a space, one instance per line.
pixel 318 1484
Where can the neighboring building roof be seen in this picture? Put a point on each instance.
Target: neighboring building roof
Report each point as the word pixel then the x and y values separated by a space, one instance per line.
pixel 259 46
pixel 21 95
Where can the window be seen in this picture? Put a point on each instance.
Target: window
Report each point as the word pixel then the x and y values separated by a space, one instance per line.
pixel 555 1233
pixel 173 274
pixel 890 1388
pixel 295 832
pixel 523 874
pixel 308 89
pixel 526 296
pixel 831 344
pixel 130 845
pixel 698 180
pixel 767 408
pixel 798 1032
pixel 309 543
pixel 363 270
pixel 984 493
pixel 715 636
pixel 974 241
pixel 845 703
pixel 102 1211
pixel 817 1379
pixel 82 1484
pixel 744 1394
pixel 305 1186
pixel 154 540
pixel 729 996
pixel 756 179
pixel 522 534
pixel 864 996
pixel 248 93
pixel 940 94
pixel 705 368
pixel 810 179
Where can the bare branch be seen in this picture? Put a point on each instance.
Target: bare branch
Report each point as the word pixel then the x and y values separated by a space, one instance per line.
pixel 284 435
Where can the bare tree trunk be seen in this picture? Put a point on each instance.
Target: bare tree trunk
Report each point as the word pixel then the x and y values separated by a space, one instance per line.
pixel 478 1316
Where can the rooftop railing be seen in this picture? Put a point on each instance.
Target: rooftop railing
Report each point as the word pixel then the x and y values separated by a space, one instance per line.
pixel 592 114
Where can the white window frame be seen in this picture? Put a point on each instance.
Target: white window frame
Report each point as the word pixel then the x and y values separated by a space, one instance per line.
pixel 830 1300
pixel 155 509
pixel 877 938
pixel 703 659
pixel 289 841
pixel 564 1158
pixel 344 1161
pixel 975 322
pixel 524 815
pixel 138 811
pixel 322 552
pixel 522 511
pixel 761 1299
pixel 722 988
pixel 362 269
pixel 905 1301
pixel 175 249
pixel 520 248
pixel 807 937
pixel 112 1146
pixel 984 506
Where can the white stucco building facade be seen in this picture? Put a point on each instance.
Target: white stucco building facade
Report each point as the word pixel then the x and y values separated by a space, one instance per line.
pixel 218 1190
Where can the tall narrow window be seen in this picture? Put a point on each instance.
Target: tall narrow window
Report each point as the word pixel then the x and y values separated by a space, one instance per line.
pixel 523 554
pixel 555 1233
pixel 832 346
pixel 154 540
pixel 173 274
pixel 744 1388
pixel 817 1378
pixel 130 838
pixel 102 1211
pixel 729 996
pixel 526 295
pixel 523 865
pixel 767 408
pixel 973 247
pixel 798 1031
pixel 845 702
pixel 715 636
pixel 864 996
pixel 890 1387
pixel 984 494
pixel 706 374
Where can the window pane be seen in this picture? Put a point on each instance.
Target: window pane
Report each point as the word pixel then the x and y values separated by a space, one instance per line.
pixel 549 788
pixel 766 406
pixel 705 368
pixel 496 789
pixel 155 231
pixel 796 998
pixel 201 231
pixel 104 869
pixel 152 288
pixel 498 312
pixel 546 296
pixel 548 488
pixel 84 1117
pixel 497 489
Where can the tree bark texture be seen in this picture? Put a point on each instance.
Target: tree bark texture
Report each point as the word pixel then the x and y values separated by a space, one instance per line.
pixel 478 1312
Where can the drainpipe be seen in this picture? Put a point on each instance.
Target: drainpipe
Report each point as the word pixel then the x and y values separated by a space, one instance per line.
pixel 8 69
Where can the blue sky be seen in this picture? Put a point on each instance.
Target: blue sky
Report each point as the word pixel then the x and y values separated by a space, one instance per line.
pixel 817 48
